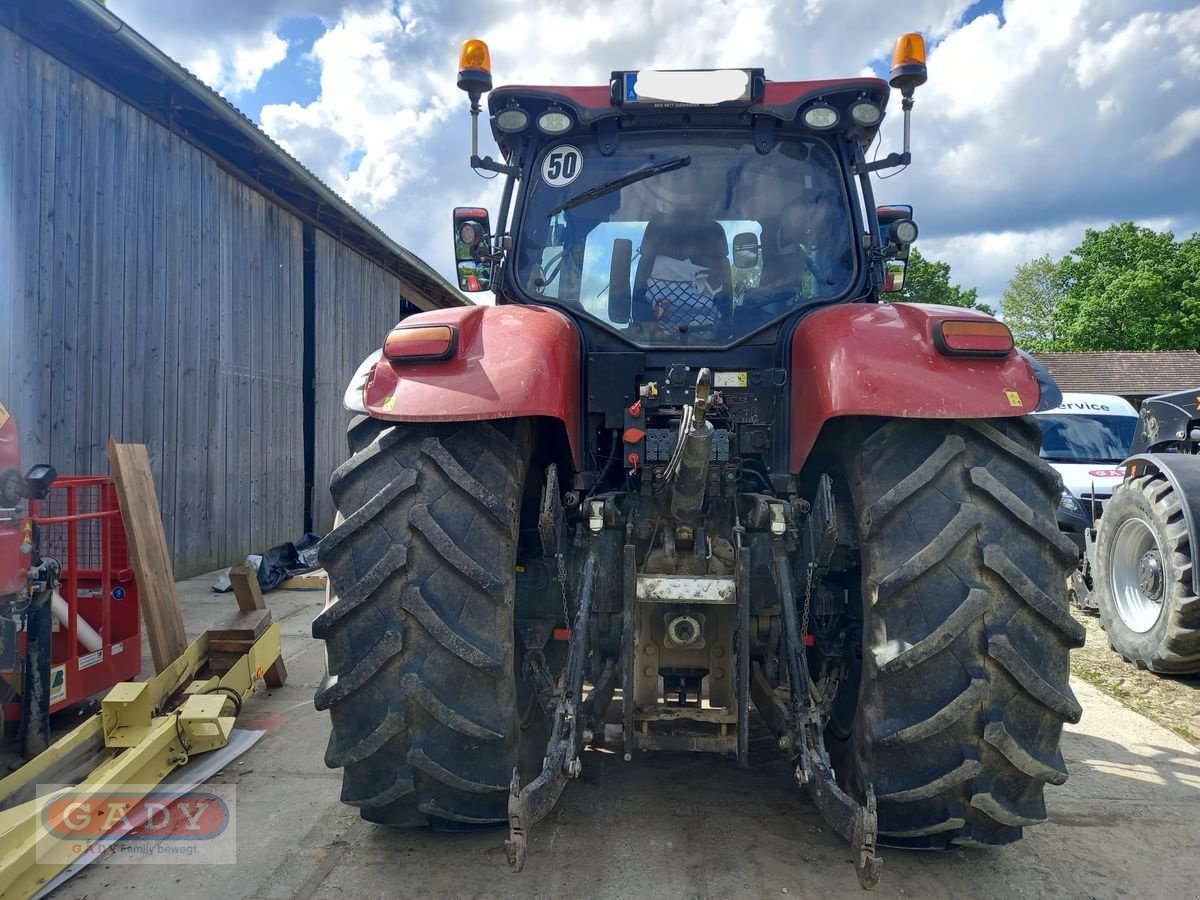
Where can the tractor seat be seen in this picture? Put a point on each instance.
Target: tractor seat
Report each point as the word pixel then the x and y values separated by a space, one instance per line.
pixel 683 274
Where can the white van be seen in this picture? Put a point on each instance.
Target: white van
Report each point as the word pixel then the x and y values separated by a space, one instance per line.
pixel 1086 439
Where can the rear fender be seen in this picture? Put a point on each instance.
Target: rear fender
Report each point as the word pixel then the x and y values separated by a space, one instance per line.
pixel 1182 470
pixel 881 360
pixel 511 361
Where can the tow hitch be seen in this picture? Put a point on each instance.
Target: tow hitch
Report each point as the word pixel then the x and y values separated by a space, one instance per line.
pixel 800 722
pixel 571 721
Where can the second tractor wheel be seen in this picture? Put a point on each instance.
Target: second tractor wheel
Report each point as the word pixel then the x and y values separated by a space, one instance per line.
pixel 1144 561
pixel 963 689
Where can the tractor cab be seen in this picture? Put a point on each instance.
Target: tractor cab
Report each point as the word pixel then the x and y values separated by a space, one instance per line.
pixel 681 209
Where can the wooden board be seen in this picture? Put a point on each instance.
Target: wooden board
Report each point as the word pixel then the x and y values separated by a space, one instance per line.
pixel 309 581
pixel 148 547
pixel 241 626
pixel 277 674
pixel 244 580
pixel 230 645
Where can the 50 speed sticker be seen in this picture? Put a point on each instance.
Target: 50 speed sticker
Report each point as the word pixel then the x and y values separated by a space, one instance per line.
pixel 562 165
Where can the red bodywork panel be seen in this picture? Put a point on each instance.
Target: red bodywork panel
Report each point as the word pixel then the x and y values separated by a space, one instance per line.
pixel 14 565
pixel 511 361
pixel 880 360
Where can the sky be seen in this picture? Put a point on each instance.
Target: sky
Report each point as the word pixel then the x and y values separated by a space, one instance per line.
pixel 1041 118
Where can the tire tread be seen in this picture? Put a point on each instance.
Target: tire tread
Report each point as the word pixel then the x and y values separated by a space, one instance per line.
pixel 418 624
pixel 964 687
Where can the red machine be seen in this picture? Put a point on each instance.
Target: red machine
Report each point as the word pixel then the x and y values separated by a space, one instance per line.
pixel 692 452
pixel 69 555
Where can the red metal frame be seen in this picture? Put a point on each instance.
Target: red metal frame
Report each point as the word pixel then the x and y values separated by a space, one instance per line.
pixel 80 526
pixel 510 361
pixel 860 359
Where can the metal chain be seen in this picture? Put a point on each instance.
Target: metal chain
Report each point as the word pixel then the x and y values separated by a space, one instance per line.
pixel 808 589
pixel 562 584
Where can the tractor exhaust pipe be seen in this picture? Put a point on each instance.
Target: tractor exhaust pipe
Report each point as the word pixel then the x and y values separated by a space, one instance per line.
pixel 690 464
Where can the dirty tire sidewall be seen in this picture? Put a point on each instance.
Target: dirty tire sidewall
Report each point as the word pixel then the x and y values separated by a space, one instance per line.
pixel 421 681
pixel 964 685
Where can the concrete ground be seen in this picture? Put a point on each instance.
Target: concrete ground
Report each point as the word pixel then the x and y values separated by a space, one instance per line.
pixel 1126 824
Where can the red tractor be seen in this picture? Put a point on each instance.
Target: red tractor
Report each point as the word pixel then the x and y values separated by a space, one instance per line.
pixel 689 466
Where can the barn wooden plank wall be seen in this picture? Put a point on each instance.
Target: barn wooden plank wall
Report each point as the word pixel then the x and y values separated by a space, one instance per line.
pixel 151 296
pixel 356 303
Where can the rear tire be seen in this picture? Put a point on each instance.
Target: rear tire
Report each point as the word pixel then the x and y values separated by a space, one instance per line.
pixel 964 679
pixel 1147 605
pixel 421 679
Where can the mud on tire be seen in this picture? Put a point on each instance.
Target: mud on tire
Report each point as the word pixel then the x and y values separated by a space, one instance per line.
pixel 418 625
pixel 964 685
pixel 1148 507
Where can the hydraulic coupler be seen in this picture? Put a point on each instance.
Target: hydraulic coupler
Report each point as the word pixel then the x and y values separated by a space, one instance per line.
pixel 690 465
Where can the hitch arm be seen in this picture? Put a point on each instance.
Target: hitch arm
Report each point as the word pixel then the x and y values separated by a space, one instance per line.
pixel 528 805
pixel 802 720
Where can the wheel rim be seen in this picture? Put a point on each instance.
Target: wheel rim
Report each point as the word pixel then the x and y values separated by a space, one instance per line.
pixel 1136 575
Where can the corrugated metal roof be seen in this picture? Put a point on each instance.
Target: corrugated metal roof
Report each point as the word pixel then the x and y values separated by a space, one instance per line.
pixel 89 38
pixel 1128 373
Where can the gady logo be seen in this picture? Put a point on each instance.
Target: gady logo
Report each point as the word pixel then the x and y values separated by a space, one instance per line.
pixel 81 816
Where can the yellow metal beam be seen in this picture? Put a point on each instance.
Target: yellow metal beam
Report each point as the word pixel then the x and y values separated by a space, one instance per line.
pixel 159 690
pixel 30 856
pixel 86 740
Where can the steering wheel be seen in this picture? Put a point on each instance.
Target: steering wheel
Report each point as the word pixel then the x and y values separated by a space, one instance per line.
pixel 552 266
pixel 767 303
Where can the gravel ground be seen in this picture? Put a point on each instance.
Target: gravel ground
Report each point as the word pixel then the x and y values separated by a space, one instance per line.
pixel 1171 701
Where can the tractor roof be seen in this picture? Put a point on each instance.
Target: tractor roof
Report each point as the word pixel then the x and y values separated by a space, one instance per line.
pixel 782 100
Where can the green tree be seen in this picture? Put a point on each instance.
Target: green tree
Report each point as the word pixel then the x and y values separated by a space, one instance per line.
pixel 1030 302
pixel 1130 288
pixel 928 281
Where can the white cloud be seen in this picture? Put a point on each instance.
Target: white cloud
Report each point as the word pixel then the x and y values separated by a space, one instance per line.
pixel 232 67
pixel 250 61
pixel 1035 123
pixel 1183 131
pixel 1052 118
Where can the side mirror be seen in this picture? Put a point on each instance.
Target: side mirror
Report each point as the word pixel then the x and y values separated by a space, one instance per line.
pixel 620 297
pixel 745 250
pixel 472 253
pixel 896 267
pixel 893 274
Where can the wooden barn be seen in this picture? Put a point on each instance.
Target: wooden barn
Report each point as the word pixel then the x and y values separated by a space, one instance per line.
pixel 169 275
